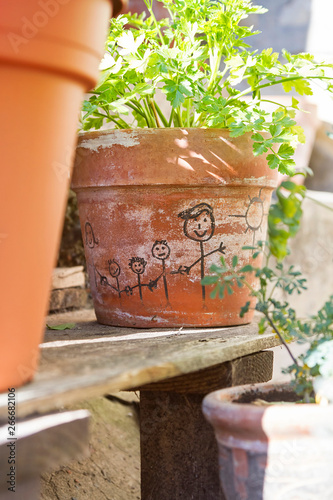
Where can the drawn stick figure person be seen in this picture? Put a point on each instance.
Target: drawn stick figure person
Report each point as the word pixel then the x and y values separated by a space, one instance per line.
pixel 138 266
pixel 161 251
pixel 91 242
pixel 114 270
pixel 199 226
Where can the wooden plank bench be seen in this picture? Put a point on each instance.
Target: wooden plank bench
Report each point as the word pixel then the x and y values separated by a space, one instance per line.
pixel 172 368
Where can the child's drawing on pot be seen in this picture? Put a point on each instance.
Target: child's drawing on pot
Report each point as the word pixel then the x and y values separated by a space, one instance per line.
pixel 91 242
pixel 199 225
pixel 161 251
pixel 138 266
pixel 114 270
pixel 254 215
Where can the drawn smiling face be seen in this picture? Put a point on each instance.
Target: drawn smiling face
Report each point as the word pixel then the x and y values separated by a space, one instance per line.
pixel 160 250
pixel 138 265
pixel 201 227
pixel 114 268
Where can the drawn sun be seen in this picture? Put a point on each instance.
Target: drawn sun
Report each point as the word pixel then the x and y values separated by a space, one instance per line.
pixel 254 215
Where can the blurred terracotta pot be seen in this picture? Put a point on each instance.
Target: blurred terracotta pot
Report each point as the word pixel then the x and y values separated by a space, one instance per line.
pixel 275 452
pixel 139 6
pixel 49 55
pixel 157 208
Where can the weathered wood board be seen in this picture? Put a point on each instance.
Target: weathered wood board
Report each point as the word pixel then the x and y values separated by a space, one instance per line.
pixel 42 443
pixel 92 359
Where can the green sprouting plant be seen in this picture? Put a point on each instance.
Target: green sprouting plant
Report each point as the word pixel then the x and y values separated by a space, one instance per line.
pixel 200 59
pixel 284 217
pixel 277 314
pixel 196 59
pixel 281 317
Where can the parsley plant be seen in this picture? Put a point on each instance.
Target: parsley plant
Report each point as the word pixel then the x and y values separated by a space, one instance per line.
pixel 197 58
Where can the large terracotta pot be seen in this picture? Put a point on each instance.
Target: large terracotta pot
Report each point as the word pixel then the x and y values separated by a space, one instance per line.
pixel 275 452
pixel 49 55
pixel 157 208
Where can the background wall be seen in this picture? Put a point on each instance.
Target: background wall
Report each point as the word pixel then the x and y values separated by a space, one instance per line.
pixel 285 25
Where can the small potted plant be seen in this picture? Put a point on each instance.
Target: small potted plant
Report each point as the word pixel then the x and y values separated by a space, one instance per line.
pixel 188 169
pixel 269 447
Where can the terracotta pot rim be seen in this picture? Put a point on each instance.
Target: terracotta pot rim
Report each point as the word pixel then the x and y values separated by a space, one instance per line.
pixel 75 61
pixel 229 396
pixel 173 157
pixel 249 426
pixel 61 53
pixel 151 130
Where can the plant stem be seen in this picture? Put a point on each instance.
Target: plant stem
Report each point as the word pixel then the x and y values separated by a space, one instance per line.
pixel 152 106
pixel 149 6
pixel 275 103
pixel 160 114
pixel 246 283
pixel 320 203
pixel 281 338
pixel 136 107
pixel 277 82
pixel 179 118
pixel 171 118
pixel 120 123
pixel 218 57
pixel 188 110
pixel 149 117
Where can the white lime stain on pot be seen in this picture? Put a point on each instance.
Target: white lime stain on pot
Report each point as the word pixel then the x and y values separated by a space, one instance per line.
pixel 255 181
pixel 117 137
pixel 139 218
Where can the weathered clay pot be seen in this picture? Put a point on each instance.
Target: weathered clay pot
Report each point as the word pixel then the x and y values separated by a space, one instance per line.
pixel 157 208
pixel 275 452
pixel 49 56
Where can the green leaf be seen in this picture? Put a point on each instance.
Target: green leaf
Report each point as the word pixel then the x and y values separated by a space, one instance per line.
pixel 247 269
pixel 144 89
pixel 289 185
pixel 276 129
pixel 239 282
pixel 273 161
pixel 249 247
pixel 209 280
pixel 64 326
pixel 259 148
pixel 301 86
pixel 245 309
pixel 286 151
pixel 222 259
pixel 174 94
pixel 262 326
pixel 234 261
pixel 221 289
pixel 257 137
pixel 299 132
